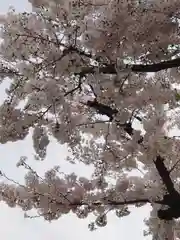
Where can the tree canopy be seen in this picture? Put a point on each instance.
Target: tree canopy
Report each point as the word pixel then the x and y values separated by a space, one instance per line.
pixel 101 77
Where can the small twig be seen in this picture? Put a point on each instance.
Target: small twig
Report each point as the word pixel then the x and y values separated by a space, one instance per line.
pixel 174 166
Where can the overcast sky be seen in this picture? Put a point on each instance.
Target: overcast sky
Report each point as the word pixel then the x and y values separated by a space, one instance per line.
pixel 12 223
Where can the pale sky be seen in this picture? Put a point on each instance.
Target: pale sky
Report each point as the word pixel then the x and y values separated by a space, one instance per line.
pixel 12 222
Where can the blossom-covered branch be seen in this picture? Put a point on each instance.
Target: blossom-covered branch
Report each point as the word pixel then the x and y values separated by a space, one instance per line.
pixel 136 68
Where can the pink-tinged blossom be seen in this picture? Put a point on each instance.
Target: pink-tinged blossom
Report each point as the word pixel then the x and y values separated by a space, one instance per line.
pixel 81 70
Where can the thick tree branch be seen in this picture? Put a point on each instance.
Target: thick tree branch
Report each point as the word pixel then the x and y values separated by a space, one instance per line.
pixel 111 112
pixel 172 199
pixel 103 109
pixel 165 175
pixel 141 68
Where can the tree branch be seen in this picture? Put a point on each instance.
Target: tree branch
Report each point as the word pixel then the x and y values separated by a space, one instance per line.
pixel 107 202
pixel 102 109
pixel 172 199
pixel 165 175
pixel 155 67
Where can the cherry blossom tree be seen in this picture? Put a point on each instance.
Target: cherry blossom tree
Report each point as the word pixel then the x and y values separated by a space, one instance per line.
pixel 80 72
